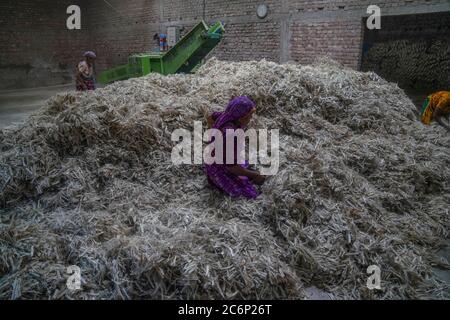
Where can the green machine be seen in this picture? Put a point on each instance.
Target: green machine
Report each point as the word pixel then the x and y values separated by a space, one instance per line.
pixel 181 58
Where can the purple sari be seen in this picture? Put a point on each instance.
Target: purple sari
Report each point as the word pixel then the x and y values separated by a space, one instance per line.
pixel 218 174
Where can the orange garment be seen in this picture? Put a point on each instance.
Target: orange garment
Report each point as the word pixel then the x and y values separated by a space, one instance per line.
pixel 437 101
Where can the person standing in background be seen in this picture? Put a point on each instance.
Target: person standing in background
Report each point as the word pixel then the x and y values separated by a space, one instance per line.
pixel 85 78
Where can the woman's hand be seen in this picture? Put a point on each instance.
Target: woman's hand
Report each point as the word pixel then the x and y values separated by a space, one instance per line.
pixel 259 179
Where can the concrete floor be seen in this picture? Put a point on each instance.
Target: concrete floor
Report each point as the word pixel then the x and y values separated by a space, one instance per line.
pixel 16 105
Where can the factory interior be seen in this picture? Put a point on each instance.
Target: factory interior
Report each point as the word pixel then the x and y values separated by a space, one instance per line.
pixel 109 109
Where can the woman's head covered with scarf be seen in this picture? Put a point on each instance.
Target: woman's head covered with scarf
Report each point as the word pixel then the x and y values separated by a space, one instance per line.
pixel 236 109
pixel 90 54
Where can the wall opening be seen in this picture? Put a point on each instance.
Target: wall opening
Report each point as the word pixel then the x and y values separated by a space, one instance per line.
pixel 411 50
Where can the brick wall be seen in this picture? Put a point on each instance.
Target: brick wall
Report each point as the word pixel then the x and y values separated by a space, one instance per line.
pixel 247 37
pixel 36 49
pixel 129 27
pixel 37 44
pixel 436 25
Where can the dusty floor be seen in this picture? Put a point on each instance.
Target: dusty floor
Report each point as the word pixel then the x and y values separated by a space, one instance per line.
pixel 16 105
